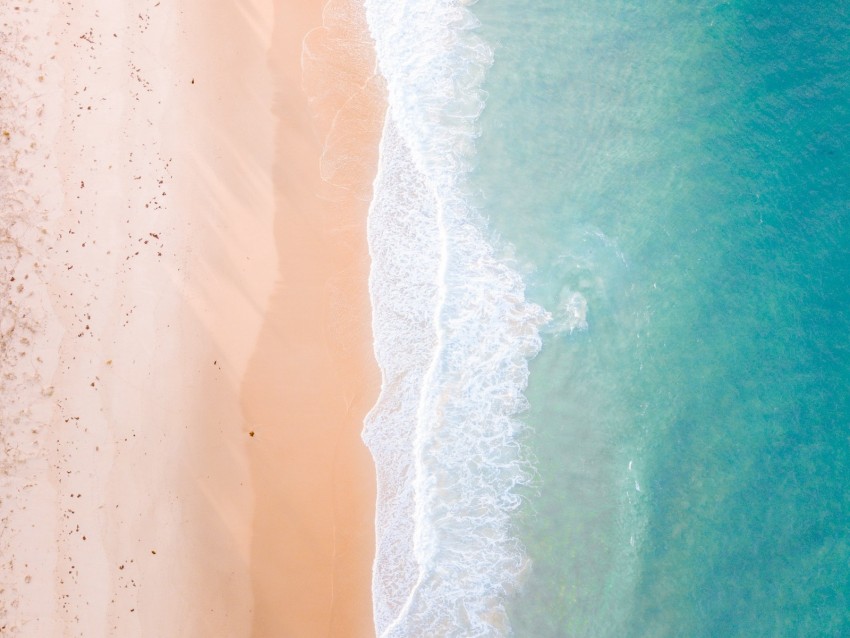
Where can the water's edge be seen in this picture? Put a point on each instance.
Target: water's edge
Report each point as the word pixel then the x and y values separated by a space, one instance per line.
pixel 453 334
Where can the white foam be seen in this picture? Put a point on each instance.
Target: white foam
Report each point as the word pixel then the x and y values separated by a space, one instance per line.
pixel 571 314
pixel 453 336
pixel 405 251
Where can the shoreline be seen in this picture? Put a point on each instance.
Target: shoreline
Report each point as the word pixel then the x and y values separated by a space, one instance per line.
pixel 313 377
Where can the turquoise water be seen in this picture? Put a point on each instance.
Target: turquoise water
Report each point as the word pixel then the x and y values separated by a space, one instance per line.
pixel 684 167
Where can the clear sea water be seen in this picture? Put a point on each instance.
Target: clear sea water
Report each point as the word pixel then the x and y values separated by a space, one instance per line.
pixel 684 167
pixel 670 181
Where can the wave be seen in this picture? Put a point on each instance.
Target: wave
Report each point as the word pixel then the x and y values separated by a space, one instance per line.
pixel 453 335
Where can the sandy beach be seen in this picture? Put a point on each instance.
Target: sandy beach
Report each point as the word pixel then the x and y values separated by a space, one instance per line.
pixel 312 377
pixel 186 346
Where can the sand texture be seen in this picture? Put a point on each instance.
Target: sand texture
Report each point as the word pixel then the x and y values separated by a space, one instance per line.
pixel 184 339
pixel 312 376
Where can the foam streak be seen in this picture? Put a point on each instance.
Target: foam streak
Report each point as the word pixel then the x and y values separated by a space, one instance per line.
pixel 453 336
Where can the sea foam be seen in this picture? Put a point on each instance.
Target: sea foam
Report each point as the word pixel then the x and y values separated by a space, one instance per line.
pixel 453 335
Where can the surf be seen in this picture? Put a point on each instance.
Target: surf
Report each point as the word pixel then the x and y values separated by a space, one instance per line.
pixel 453 335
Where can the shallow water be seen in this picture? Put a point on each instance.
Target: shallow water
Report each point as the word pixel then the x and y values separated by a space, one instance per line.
pixel 669 182
pixel 683 167
pixel 453 336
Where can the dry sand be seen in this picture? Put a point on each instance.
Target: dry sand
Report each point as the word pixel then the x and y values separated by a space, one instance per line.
pixel 186 352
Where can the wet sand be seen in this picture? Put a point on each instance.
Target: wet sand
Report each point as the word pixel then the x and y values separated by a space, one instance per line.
pixel 312 377
pixel 186 347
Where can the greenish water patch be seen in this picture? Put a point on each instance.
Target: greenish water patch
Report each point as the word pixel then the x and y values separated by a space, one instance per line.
pixel 683 166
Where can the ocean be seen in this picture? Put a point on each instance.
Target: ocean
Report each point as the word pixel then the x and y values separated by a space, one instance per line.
pixel 610 305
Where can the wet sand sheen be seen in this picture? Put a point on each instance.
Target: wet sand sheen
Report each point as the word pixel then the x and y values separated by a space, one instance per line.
pixel 312 376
